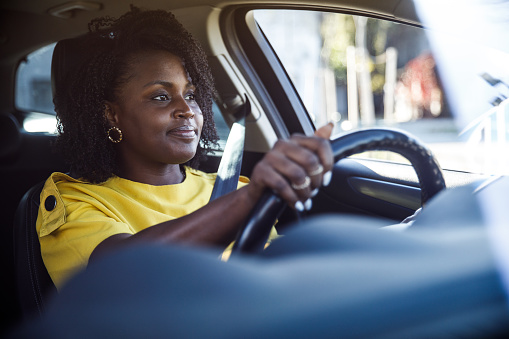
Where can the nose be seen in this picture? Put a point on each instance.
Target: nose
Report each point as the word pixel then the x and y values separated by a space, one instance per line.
pixel 183 115
pixel 183 111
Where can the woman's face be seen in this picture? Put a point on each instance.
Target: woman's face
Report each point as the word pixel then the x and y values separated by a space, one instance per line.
pixel 156 111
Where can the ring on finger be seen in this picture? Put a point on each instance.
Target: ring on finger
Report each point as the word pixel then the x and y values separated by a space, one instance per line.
pixel 302 186
pixel 316 171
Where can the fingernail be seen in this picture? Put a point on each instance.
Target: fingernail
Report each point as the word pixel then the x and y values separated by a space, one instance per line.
pixel 327 178
pixel 299 206
pixel 308 204
pixel 314 192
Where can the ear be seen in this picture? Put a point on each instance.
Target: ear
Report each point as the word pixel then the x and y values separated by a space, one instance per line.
pixel 111 113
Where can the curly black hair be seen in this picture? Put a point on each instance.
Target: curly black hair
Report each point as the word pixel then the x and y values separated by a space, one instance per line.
pixel 108 45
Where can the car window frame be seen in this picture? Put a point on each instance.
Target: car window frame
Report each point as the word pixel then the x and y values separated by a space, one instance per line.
pixel 262 68
pixel 259 65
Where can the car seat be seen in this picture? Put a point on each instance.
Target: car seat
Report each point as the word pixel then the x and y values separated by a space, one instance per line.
pixel 33 283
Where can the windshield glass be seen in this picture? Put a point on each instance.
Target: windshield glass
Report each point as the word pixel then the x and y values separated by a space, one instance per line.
pixel 445 86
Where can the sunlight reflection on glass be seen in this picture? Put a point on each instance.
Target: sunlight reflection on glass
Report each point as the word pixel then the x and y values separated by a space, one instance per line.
pixel 40 123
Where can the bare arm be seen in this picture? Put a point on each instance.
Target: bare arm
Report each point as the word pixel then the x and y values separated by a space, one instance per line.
pixel 289 162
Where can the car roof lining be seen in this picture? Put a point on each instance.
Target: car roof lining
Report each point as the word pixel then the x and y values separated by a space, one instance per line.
pixel 12 12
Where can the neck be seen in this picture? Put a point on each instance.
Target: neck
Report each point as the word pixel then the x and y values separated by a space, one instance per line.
pixel 169 175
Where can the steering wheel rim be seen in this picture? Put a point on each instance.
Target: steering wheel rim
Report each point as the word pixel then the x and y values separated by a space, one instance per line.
pixel 252 237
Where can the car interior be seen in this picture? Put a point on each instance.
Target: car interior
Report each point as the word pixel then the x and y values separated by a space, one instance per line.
pixel 244 64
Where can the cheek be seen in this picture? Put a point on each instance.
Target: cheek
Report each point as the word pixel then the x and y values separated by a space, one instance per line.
pixel 199 122
pixel 198 117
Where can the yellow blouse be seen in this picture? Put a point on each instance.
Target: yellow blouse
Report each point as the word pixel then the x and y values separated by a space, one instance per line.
pixel 85 214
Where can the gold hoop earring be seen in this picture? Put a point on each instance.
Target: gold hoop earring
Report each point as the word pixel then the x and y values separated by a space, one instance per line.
pixel 116 138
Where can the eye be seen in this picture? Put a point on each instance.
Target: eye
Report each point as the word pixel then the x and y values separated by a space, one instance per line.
pixel 190 96
pixel 161 97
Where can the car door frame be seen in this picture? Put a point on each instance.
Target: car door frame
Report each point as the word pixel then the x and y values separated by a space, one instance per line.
pixel 392 191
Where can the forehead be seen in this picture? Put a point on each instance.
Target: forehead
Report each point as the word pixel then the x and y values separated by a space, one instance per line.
pixel 156 63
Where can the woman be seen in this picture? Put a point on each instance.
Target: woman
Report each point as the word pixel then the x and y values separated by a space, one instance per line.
pixel 134 124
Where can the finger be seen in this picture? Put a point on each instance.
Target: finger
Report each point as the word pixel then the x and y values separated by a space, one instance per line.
pixel 325 131
pixel 265 175
pixel 305 159
pixel 294 173
pixel 321 148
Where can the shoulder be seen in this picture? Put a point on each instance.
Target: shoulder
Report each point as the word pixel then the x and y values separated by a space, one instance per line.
pixel 52 210
pixel 59 190
pixel 191 172
pixel 54 184
pixel 65 185
pixel 212 176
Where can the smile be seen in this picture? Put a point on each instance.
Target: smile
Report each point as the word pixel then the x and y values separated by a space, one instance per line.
pixel 186 132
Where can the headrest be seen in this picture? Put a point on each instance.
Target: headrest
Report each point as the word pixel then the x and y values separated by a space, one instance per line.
pixel 10 136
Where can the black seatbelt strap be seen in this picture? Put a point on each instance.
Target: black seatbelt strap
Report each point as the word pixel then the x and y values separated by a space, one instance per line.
pixel 229 168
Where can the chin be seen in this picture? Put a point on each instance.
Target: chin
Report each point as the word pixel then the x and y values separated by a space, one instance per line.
pixel 180 154
pixel 182 159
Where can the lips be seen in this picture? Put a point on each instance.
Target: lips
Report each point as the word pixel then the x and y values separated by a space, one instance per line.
pixel 184 131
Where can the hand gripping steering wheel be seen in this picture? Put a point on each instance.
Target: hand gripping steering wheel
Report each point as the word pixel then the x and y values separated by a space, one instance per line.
pixel 254 234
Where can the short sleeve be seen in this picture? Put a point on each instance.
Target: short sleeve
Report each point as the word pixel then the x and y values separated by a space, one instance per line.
pixel 83 223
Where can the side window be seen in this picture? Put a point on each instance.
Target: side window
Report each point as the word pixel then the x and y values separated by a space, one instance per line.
pixel 33 91
pixel 222 129
pixel 33 82
pixel 365 72
pixel 34 96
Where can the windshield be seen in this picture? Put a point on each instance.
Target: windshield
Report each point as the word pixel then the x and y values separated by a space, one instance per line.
pixel 447 84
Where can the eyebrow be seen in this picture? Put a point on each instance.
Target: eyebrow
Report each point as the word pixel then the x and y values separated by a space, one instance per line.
pixel 165 84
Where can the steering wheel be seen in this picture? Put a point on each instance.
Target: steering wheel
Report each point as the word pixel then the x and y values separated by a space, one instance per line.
pixel 254 234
